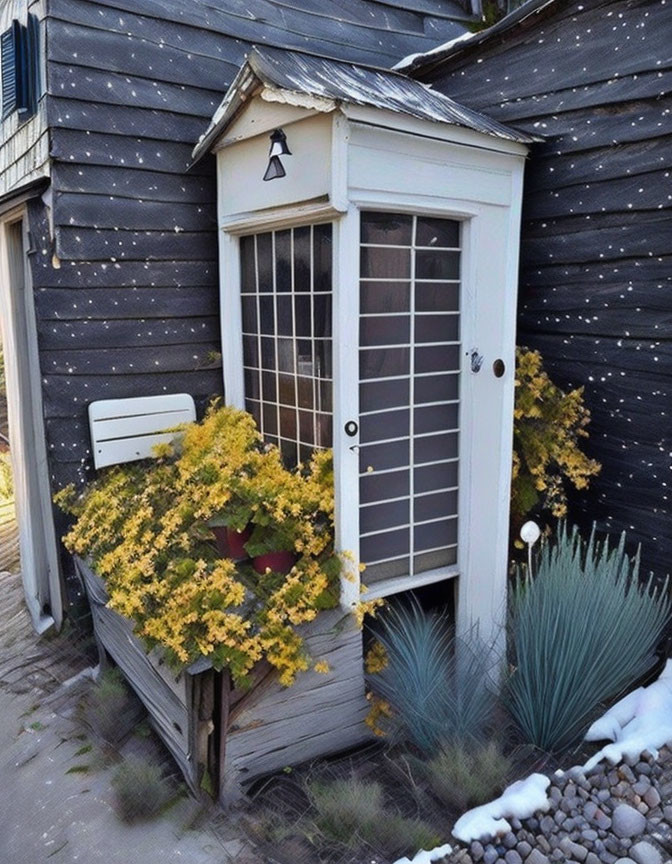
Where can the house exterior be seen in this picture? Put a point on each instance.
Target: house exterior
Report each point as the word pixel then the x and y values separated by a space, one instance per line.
pixel 593 78
pixel 110 245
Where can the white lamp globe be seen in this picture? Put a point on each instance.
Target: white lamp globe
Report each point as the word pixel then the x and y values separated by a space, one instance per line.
pixel 530 533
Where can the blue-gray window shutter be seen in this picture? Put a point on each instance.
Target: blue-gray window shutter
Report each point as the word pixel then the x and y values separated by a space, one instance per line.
pixel 8 70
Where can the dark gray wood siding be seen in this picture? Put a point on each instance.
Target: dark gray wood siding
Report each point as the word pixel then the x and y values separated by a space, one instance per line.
pixel 131 307
pixel 596 259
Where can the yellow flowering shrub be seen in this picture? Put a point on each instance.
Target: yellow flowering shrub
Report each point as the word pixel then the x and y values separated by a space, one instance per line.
pixel 548 427
pixel 144 528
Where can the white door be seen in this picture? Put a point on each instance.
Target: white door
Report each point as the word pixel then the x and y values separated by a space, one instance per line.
pixel 37 541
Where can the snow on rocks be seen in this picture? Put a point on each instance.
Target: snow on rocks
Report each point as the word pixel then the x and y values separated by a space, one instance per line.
pixel 641 721
pixel 518 801
pixel 425 857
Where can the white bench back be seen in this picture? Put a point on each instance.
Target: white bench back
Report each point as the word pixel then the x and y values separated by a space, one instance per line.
pixel 124 430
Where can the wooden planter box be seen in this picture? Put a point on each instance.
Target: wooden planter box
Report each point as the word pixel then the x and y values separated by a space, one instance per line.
pixel 234 736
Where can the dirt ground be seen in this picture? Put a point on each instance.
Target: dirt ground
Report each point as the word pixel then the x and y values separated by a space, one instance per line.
pixel 55 781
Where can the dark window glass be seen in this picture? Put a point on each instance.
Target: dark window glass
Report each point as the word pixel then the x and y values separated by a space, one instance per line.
pixel 322 315
pixel 437 297
pixel 395 330
pixel 248 277
pixel 302 314
pixel 269 386
pixel 270 418
pixel 376 297
pixel 267 352
pixel 438 358
pixel 288 423
pixel 435 418
pixel 286 390
pixel 433 477
pixel 382 263
pixel 283 261
pixel 381 487
pixel 389 424
pixel 285 349
pixel 289 452
pixel 285 317
pixel 254 409
pixel 383 362
pixel 251 377
pixel 381 546
pixel 434 506
pixel 250 351
pixel 437 328
pixel 304 391
pixel 322 261
pixel 249 314
pixel 382 516
pixel 436 388
pixel 302 281
pixel 435 534
pixel 437 232
pixel 324 393
pixel 380 457
pixel 265 262
pixel 437 265
pixel 377 395
pixel 433 560
pixel 323 358
pixel 433 448
pixel 386 228
pixel 267 315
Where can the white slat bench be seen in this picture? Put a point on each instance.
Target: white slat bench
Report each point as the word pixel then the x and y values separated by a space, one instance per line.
pixel 123 430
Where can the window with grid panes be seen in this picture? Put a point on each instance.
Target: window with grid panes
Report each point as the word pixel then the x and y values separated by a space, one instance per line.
pixel 286 295
pixel 409 361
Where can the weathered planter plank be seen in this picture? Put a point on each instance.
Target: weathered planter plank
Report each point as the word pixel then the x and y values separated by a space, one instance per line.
pixel 236 736
pixel 181 705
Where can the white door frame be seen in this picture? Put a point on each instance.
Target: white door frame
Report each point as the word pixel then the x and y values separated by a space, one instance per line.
pixel 37 537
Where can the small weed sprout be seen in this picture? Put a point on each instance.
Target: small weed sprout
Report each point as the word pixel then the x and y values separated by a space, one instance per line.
pixel 140 790
pixel 110 709
pixel 466 778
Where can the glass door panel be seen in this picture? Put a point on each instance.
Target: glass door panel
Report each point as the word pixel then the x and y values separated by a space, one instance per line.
pixel 286 281
pixel 409 364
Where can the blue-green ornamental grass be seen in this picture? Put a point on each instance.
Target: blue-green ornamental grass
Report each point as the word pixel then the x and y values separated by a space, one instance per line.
pixel 439 685
pixel 582 630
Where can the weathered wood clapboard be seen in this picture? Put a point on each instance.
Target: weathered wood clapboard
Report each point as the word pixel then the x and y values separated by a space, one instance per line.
pixel 231 736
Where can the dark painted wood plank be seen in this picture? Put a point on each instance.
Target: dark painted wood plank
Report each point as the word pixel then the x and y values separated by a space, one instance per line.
pixel 95 274
pixel 594 46
pixel 83 147
pixel 109 211
pixel 642 85
pixel 594 272
pixel 90 85
pixel 644 192
pixel 65 397
pixel 146 59
pixel 633 239
pixel 133 183
pixel 261 22
pixel 638 309
pixel 90 334
pixel 123 120
pixel 61 304
pixel 121 361
pixel 87 244
pixel 604 163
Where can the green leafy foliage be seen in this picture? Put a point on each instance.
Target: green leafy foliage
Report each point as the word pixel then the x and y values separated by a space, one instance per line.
pixel 547 430
pixel 581 631
pixel 463 778
pixel 438 685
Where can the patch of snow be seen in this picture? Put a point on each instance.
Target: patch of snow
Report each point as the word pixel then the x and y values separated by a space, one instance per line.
pixel 408 61
pixel 640 721
pixel 425 857
pixel 518 801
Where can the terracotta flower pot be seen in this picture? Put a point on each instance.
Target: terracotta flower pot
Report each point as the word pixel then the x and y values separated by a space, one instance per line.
pixel 281 561
pixel 230 543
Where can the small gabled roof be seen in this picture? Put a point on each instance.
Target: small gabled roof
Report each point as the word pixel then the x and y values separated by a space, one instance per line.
pixel 329 82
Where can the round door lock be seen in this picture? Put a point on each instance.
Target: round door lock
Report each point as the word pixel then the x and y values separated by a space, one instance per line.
pixel 351 428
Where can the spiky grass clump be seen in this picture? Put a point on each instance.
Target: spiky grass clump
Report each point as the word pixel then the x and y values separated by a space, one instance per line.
pixel 439 685
pixel 581 631
pixel 140 790
pixel 111 709
pixel 352 813
pixel 465 778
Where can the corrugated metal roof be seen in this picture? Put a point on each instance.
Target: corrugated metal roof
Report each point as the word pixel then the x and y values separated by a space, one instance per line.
pixel 350 83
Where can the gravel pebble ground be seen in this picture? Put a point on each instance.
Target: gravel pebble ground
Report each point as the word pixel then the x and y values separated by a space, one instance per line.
pixel 616 815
